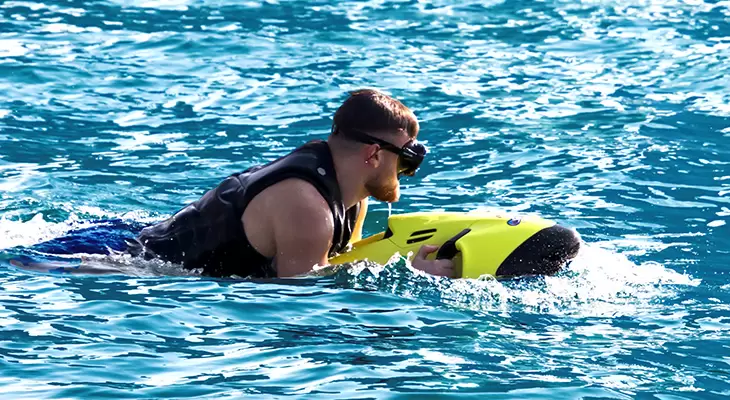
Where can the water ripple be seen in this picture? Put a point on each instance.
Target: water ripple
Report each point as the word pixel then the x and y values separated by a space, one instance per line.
pixel 611 117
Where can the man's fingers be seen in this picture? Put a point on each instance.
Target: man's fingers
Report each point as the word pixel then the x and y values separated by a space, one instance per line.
pixel 442 267
pixel 426 250
pixel 446 267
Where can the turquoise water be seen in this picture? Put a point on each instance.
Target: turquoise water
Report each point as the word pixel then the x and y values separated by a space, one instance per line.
pixel 607 116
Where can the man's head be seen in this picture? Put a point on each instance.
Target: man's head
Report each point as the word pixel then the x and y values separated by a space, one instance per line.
pixel 380 133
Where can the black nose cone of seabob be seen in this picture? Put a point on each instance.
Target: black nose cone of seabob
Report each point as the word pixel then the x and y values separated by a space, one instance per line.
pixel 545 253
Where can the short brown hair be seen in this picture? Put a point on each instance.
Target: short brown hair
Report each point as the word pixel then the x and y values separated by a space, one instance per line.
pixel 372 111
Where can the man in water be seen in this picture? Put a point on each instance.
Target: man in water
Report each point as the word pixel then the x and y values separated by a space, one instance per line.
pixel 285 218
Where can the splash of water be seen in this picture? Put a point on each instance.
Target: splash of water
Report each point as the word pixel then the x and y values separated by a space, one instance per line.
pixel 597 283
pixel 37 229
pixel 23 231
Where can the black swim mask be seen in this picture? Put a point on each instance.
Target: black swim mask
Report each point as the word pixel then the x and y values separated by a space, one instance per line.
pixel 410 156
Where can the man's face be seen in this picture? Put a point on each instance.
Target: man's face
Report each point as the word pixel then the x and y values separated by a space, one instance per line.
pixel 385 186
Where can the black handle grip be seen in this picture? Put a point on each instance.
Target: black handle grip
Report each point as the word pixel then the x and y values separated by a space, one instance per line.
pixel 448 249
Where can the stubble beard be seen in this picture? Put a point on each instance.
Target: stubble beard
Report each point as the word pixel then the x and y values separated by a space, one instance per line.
pixel 388 191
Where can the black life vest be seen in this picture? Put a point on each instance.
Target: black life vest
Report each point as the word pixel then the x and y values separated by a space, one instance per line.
pixel 209 233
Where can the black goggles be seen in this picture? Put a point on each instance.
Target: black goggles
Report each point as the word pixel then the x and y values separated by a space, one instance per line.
pixel 410 156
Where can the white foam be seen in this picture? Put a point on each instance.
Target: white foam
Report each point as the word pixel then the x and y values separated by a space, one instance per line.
pixel 16 232
pixel 599 282
pixel 37 229
pixel 62 28
pixel 12 48
pixel 174 5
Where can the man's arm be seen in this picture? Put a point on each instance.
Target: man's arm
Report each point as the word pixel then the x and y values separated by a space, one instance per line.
pixel 360 221
pixel 303 230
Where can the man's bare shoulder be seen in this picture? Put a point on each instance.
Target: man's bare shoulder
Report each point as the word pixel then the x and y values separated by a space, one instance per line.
pixel 290 211
pixel 298 225
pixel 295 202
pixel 296 195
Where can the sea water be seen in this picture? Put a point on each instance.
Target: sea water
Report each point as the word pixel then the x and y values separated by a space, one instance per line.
pixel 607 116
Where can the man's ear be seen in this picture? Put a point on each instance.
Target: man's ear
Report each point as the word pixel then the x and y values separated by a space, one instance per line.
pixel 372 155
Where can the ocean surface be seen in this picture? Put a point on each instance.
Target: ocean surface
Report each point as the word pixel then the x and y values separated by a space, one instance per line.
pixel 608 116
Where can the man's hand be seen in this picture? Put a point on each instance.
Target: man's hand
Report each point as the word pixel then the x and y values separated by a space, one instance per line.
pixel 433 267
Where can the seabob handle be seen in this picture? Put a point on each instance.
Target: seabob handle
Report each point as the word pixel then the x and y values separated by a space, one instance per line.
pixel 448 250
